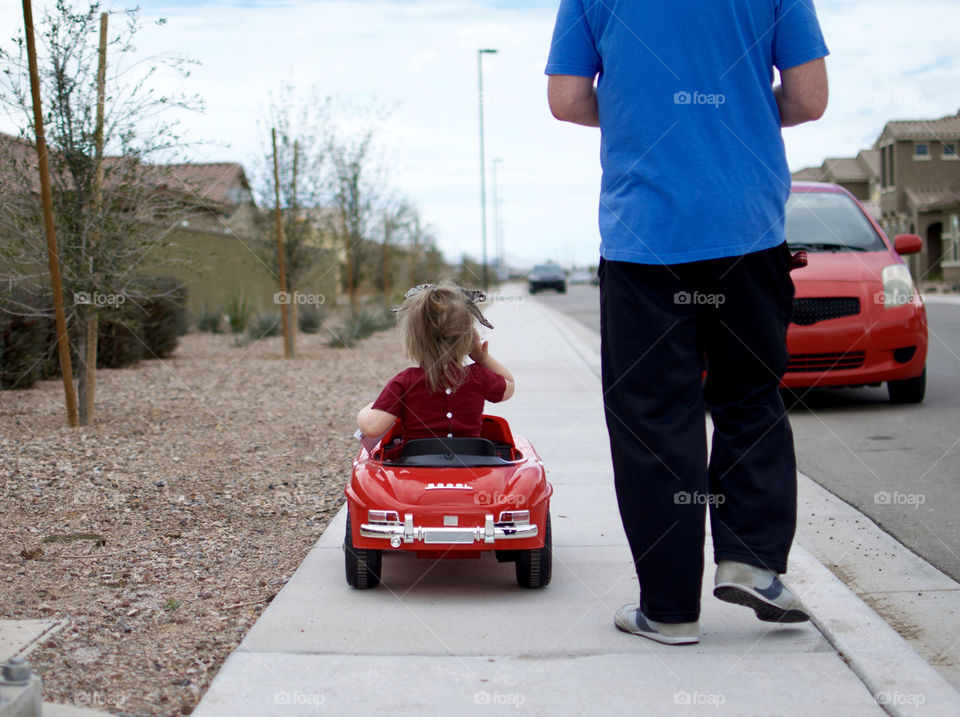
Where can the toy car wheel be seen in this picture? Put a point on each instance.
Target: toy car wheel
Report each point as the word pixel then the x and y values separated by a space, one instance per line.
pixel 535 567
pixel 363 565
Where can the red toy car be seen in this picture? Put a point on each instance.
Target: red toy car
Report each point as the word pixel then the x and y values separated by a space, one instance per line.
pixel 858 318
pixel 449 498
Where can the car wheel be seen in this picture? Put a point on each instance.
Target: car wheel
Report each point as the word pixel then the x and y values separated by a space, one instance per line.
pixel 908 390
pixel 535 567
pixel 532 290
pixel 363 565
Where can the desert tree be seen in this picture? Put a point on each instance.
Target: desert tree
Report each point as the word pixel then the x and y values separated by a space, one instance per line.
pixel 300 124
pixel 358 194
pixel 114 205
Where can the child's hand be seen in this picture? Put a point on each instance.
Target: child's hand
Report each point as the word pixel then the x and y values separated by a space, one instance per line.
pixel 480 349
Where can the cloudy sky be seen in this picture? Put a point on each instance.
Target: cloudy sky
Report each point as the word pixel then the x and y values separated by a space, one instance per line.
pixel 890 60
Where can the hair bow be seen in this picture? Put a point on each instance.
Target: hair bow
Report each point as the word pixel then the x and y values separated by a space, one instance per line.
pixel 473 297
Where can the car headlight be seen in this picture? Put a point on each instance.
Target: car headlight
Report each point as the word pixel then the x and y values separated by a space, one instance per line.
pixel 898 287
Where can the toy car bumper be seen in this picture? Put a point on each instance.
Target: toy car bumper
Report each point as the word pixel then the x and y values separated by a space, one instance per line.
pixel 407 533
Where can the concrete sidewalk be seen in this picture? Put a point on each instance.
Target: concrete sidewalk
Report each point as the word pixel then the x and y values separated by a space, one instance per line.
pixel 460 637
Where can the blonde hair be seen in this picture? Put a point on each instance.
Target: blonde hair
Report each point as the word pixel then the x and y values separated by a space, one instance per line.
pixel 437 330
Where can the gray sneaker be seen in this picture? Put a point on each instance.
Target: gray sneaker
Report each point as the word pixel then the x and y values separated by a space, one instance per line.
pixel 759 589
pixel 630 619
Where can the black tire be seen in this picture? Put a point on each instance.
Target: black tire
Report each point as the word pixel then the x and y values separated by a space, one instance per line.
pixel 535 567
pixel 908 390
pixel 362 565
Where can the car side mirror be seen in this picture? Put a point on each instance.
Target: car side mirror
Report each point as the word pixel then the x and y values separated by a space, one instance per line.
pixel 907 243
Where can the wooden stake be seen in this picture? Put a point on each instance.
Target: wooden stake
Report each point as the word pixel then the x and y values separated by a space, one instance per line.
pixel 287 348
pixel 91 323
pixel 63 340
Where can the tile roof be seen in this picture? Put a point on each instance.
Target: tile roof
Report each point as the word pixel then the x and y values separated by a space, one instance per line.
pixel 943 128
pixel 223 183
pixel 808 174
pixel 845 169
pixel 949 200
pixel 219 182
pixel 925 198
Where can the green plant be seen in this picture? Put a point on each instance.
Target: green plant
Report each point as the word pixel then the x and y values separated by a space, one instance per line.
pixel 172 604
pixel 265 325
pixel 208 320
pixel 238 311
pixel 360 325
pixel 23 340
pixel 164 318
pixel 310 318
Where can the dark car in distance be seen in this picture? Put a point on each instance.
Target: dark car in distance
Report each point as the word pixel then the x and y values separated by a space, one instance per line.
pixel 547 276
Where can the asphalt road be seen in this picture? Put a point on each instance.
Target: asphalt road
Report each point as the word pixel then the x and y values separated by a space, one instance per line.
pixel 899 465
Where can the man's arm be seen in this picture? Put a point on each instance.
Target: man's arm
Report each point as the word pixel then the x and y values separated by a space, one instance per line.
pixel 803 93
pixel 573 99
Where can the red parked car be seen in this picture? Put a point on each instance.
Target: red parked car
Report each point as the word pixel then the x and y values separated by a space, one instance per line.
pixel 858 317
pixel 450 498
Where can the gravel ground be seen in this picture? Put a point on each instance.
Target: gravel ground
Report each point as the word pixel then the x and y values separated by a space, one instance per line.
pixel 160 533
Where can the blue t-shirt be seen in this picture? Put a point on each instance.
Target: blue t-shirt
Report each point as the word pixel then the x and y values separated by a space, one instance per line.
pixel 693 160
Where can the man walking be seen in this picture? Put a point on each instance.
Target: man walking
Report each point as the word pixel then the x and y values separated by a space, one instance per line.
pixel 694 275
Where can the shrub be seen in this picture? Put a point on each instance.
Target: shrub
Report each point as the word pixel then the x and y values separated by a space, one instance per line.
pixel 265 325
pixel 164 317
pixel 148 324
pixel 360 325
pixel 208 320
pixel 238 311
pixel 23 340
pixel 119 340
pixel 310 318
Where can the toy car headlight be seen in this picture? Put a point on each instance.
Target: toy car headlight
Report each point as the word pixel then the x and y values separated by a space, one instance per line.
pixel 383 516
pixel 898 287
pixel 517 517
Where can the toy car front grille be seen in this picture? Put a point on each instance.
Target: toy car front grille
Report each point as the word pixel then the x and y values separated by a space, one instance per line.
pixel 810 311
pixel 809 363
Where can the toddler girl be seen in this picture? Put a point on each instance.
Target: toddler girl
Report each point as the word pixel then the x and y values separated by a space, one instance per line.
pixel 440 397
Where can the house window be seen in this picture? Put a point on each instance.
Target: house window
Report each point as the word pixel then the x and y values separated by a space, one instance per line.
pixel 921 150
pixel 950 150
pixel 951 242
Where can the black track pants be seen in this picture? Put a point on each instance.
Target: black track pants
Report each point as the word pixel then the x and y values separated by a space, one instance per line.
pixel 661 326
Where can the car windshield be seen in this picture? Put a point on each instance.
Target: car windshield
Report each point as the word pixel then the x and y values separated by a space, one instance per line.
pixel 829 221
pixel 545 269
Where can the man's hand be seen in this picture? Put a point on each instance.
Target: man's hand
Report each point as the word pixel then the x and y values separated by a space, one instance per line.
pixel 803 93
pixel 573 99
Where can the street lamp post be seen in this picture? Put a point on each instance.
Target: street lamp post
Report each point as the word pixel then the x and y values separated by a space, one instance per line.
pixel 497 228
pixel 483 164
